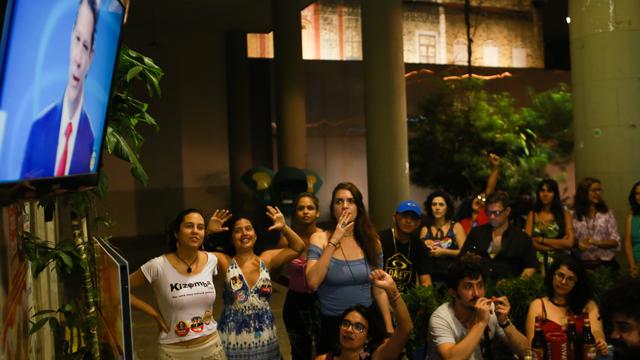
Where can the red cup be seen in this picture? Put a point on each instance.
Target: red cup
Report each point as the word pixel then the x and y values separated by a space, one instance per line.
pixel 557 346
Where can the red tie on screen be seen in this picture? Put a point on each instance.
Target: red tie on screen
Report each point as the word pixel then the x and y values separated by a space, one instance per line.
pixel 63 159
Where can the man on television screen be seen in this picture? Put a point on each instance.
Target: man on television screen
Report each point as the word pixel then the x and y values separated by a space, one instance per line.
pixel 61 139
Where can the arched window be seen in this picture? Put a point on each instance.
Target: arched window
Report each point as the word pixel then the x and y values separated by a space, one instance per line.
pixel 490 54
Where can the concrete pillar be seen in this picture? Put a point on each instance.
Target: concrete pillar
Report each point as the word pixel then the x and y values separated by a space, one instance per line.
pixel 605 48
pixel 385 108
pixel 238 105
pixel 289 84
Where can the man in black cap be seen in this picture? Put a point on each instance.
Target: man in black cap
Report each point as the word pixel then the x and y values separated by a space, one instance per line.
pixel 405 256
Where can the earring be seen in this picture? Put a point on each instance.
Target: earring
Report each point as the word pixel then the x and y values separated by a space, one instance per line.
pixel 364 354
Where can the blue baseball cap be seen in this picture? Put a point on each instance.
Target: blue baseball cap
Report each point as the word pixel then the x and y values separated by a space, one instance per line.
pixel 409 205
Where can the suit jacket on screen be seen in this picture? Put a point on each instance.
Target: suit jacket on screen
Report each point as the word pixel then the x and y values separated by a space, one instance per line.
pixel 40 154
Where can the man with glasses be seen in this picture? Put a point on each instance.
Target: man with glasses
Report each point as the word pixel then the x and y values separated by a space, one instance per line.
pixel 405 256
pixel 464 327
pixel 504 251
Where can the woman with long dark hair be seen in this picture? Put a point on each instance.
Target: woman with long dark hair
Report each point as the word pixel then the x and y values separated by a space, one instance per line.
pixel 300 306
pixel 182 281
pixel 441 234
pixel 247 326
pixel 568 294
pixel 632 233
pixel 361 334
pixel 549 224
pixel 339 263
pixel 594 226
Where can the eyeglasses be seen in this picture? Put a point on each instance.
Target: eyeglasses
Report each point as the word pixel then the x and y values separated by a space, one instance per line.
pixel 495 213
pixel 564 277
pixel 357 327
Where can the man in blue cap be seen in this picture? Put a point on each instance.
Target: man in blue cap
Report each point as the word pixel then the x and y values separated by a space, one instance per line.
pixel 405 256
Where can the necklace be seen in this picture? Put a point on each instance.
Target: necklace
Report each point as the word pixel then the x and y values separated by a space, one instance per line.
pixel 395 246
pixel 557 304
pixel 186 263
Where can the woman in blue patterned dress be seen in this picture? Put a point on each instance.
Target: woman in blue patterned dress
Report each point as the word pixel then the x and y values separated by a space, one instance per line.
pixel 247 326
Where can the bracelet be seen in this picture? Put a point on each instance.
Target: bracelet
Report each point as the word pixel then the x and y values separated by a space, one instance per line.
pixel 395 298
pixel 333 244
pixel 505 325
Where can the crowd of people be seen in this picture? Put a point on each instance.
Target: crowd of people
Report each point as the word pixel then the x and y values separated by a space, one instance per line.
pixel 345 280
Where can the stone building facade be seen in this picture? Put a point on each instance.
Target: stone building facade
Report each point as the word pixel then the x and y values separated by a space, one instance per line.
pixel 505 33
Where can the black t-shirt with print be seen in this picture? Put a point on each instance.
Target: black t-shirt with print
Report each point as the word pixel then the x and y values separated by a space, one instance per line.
pixel 404 260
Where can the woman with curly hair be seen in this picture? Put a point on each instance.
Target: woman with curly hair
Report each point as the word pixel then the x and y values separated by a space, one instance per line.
pixel 339 263
pixel 595 228
pixel 362 336
pixel 247 325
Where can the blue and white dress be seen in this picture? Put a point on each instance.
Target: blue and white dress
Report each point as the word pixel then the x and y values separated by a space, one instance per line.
pixel 247 326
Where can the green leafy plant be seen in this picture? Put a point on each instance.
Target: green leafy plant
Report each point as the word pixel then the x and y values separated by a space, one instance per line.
pixel 460 124
pixel 65 255
pixel 520 292
pixel 123 138
pixel 74 260
pixel 422 302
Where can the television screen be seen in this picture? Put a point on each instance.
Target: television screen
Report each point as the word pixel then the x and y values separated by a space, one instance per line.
pixel 57 64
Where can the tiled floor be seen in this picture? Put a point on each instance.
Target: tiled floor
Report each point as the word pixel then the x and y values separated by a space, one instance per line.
pixel 145 329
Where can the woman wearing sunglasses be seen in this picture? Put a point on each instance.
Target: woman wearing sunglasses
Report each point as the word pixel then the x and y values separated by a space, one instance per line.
pixel 362 332
pixel 569 294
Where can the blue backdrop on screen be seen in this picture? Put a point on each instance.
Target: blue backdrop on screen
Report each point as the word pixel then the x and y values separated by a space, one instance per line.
pixel 36 70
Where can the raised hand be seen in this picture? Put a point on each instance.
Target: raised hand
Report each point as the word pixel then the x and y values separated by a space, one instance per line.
pixel 379 278
pixel 277 217
pixel 483 310
pixel 219 217
pixel 494 161
pixel 344 226
pixel 502 308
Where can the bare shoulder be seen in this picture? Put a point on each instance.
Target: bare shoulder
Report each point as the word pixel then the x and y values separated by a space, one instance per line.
pixel 319 239
pixel 536 305
pixel 591 306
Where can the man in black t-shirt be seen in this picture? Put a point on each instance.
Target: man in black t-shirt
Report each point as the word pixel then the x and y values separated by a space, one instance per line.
pixel 404 254
pixel 504 251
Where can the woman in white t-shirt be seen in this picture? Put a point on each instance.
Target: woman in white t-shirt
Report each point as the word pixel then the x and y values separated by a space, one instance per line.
pixel 182 281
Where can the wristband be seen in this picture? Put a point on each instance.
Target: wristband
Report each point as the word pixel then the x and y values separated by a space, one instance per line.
pixel 395 298
pixel 505 325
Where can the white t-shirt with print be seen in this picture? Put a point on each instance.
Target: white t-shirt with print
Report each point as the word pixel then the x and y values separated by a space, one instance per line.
pixel 185 301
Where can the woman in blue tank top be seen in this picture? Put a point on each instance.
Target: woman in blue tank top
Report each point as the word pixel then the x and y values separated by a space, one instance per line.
pixel 339 263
